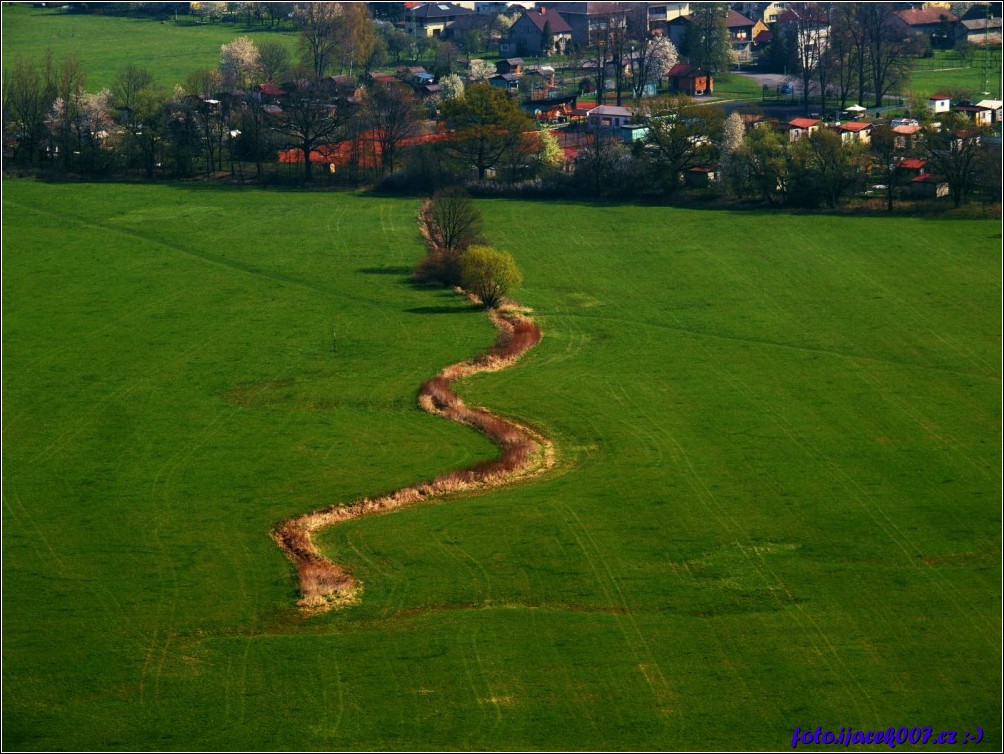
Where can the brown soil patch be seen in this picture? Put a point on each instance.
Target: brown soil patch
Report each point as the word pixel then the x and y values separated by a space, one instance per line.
pixel 525 453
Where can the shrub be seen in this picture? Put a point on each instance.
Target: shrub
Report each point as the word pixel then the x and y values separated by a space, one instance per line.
pixel 451 223
pixel 489 274
pixel 455 220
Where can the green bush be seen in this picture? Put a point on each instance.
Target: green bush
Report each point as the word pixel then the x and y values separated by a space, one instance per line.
pixel 489 274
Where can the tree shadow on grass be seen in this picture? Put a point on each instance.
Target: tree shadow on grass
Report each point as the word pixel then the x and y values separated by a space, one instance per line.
pixel 384 270
pixel 465 309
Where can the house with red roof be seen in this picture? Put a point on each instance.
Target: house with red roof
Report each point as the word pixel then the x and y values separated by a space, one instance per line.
pixel 939 103
pixel 905 136
pixel 928 186
pixel 700 177
pixel 910 167
pixel 799 127
pixel 271 90
pixel 538 32
pixel 854 131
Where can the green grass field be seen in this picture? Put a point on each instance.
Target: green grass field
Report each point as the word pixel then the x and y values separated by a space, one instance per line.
pixel 947 72
pixel 106 44
pixel 777 503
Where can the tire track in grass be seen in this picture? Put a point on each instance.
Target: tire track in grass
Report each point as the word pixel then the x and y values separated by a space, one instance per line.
pixel 525 453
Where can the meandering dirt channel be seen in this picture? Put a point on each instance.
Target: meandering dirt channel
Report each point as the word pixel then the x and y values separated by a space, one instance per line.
pixel 324 584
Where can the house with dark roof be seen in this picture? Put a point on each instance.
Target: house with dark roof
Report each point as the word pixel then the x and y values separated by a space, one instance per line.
pixel 507 81
pixel 741 33
pixel 980 31
pixel 609 116
pixel 978 114
pixel 510 65
pixel 589 21
pixel 685 79
pixel 937 24
pixel 538 32
pixel 432 19
pixel 983 10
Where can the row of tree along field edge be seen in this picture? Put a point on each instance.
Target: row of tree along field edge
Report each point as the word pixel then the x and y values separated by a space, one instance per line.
pixel 259 114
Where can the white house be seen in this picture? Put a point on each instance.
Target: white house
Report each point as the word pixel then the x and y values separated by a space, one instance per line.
pixel 608 116
pixel 994 105
pixel 939 103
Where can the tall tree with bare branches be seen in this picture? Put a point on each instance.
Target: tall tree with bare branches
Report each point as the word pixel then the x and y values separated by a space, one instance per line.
pixel 307 121
pixel 318 25
pixel 391 111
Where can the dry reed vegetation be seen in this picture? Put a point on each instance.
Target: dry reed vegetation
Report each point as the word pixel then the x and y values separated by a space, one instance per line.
pixel 323 583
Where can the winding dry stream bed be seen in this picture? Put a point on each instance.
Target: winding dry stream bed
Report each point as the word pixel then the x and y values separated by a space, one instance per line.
pixel 325 584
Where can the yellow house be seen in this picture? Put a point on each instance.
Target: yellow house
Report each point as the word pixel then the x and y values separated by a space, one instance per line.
pixel 432 19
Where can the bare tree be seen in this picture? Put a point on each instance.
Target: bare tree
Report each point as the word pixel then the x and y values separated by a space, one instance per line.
pixel 136 95
pixel 809 26
pixel 456 220
pixel 69 87
pixel 273 59
pixel 391 110
pixel 844 44
pixel 307 121
pixel 317 24
pixel 28 93
pixel 883 147
pixel 886 45
pixel 955 152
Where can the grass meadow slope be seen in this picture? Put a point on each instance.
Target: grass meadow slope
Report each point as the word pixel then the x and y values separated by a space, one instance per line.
pixel 107 44
pixel 777 502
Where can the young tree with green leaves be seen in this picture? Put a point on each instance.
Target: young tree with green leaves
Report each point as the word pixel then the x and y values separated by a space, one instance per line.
pixel 707 44
pixel 825 167
pixel 489 274
pixel 681 134
pixel 488 126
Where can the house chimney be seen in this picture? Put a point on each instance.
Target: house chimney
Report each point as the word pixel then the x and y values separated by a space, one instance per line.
pixel 543 11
